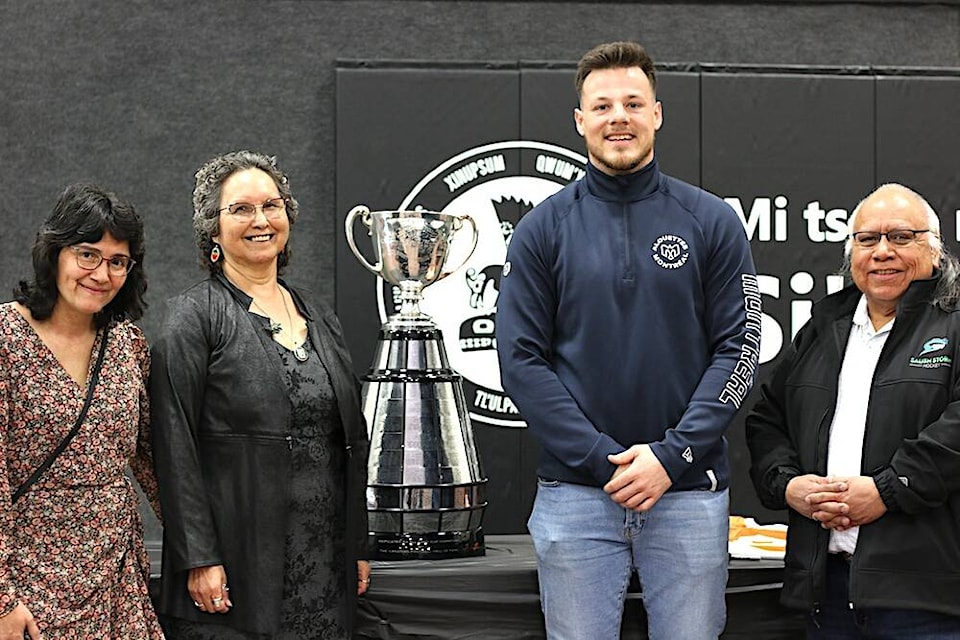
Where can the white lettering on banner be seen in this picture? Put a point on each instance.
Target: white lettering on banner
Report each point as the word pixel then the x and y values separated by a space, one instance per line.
pixel 741 379
pixel 474 344
pixel 763 219
pixel 476 169
pixel 835 221
pixel 801 283
pixel 552 166
pixel 496 402
pixel 767 220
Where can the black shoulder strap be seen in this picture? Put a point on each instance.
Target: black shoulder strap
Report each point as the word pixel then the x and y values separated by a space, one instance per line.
pixel 76 425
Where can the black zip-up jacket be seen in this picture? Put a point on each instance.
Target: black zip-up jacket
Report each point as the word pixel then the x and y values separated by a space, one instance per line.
pixel 220 420
pixel 909 558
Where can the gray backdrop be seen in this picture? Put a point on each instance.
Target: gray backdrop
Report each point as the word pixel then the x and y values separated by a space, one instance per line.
pixel 135 95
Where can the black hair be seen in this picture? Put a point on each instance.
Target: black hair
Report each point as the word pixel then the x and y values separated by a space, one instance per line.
pixel 83 213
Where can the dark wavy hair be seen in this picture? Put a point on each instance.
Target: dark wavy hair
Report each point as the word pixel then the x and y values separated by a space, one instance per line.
pixel 206 199
pixel 83 213
pixel 615 55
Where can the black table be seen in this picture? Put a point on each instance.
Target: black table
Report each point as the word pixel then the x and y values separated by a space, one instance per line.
pixel 495 597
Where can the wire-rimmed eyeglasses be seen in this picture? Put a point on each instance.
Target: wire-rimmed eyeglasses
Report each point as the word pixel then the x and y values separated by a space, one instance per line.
pixel 896 237
pixel 272 208
pixel 90 259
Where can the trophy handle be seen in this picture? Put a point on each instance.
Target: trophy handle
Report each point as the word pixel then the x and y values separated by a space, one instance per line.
pixel 361 210
pixel 473 247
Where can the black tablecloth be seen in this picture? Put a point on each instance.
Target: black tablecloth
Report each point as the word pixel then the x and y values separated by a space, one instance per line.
pixel 495 597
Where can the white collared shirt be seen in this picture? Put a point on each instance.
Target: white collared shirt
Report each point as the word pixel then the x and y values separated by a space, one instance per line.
pixel 845 451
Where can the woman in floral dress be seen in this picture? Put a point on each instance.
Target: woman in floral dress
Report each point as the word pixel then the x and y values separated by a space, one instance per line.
pixel 72 559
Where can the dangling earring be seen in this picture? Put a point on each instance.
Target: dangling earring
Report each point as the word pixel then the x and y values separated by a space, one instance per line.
pixel 215 254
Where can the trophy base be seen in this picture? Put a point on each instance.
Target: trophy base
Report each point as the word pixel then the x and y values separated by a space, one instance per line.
pixel 426 546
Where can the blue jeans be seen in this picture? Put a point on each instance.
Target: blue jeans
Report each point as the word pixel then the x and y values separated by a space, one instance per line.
pixel 838 622
pixel 587 547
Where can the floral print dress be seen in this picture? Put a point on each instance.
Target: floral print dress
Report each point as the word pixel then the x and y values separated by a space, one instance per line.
pixel 71 548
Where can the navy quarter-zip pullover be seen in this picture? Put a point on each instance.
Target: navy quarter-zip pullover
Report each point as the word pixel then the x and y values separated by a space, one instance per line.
pixel 629 313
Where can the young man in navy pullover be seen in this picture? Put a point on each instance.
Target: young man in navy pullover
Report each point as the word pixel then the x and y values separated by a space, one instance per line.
pixel 628 331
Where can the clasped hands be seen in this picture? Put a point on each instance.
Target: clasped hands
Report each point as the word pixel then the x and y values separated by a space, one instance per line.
pixel 639 480
pixel 837 503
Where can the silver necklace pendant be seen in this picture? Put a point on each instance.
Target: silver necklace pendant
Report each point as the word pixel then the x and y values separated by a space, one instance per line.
pixel 299 353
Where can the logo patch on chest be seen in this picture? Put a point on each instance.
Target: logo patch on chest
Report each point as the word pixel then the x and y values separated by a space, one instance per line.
pixel 670 251
pixel 924 359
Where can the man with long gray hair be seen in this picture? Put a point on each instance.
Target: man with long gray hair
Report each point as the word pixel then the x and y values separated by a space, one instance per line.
pixel 858 435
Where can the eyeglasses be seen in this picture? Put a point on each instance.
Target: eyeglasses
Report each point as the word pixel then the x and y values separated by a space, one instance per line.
pixel 90 259
pixel 897 237
pixel 272 209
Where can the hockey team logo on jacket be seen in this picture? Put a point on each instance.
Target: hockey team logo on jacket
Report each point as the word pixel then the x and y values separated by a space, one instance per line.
pixel 926 360
pixel 495 184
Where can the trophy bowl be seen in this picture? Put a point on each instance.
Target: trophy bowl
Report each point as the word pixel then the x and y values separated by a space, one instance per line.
pixel 411 249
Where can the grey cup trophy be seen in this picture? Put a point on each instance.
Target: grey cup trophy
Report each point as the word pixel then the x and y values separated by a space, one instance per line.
pixel 425 483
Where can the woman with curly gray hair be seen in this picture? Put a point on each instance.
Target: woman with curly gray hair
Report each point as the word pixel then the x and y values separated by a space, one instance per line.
pixel 259 439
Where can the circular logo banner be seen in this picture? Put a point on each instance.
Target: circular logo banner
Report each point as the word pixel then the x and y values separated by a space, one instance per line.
pixel 494 184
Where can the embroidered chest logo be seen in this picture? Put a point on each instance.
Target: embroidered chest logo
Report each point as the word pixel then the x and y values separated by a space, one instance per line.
pixel 924 359
pixel 670 251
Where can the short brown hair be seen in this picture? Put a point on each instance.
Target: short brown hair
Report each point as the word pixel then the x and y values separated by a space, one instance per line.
pixel 615 55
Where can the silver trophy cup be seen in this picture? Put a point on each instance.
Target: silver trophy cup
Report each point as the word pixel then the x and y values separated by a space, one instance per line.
pixel 425 483
pixel 411 250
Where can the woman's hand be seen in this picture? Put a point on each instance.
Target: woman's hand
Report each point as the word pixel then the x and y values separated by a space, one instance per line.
pixel 363 577
pixel 19 623
pixel 208 588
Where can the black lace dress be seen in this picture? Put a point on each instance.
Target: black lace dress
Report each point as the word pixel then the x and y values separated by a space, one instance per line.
pixel 313 584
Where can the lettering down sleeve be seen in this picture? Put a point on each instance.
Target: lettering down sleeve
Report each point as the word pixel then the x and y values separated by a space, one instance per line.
pixel 732 322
